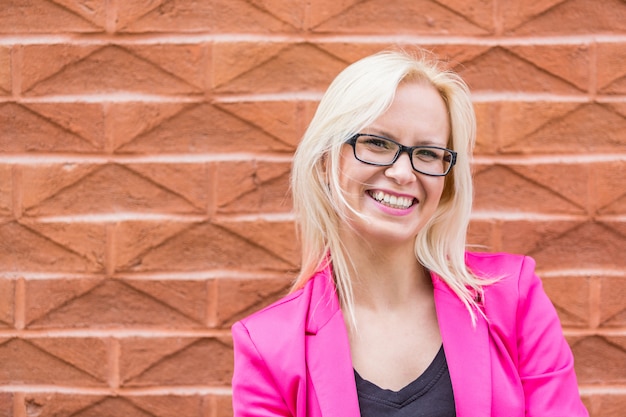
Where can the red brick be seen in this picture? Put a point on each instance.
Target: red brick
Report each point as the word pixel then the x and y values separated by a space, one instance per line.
pixel 255 186
pixel 278 238
pixel 106 69
pixel 487 115
pixel 79 405
pixel 481 236
pixel 612 306
pixel 112 304
pixel 147 247
pixel 238 298
pixel 224 407
pixel 518 189
pixel 262 68
pixel 25 249
pixel 110 189
pixel 186 297
pixel 175 362
pixel 45 296
pixel 214 16
pixel 7 303
pixel 421 16
pixel 27 130
pixel 593 353
pixel 24 16
pixel 570 296
pixel 41 362
pixel 199 128
pixel 609 189
pixel 6 404
pixel 504 68
pixel 605 405
pixel 537 18
pixel 553 127
pixel 6 190
pixel 5 70
pixel 566 245
pixel 280 119
pixel 611 75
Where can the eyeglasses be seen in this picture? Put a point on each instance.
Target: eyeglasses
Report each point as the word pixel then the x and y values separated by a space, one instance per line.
pixel 382 151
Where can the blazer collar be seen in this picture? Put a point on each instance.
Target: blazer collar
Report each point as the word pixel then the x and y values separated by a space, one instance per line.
pixel 328 358
pixel 467 352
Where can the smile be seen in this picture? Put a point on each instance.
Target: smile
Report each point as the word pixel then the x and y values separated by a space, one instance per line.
pixel 392 201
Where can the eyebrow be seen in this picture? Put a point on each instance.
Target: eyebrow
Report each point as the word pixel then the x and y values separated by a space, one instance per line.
pixel 386 135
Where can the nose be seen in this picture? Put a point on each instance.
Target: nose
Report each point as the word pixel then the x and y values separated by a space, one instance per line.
pixel 401 170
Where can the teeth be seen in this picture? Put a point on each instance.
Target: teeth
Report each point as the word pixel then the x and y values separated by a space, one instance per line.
pixel 392 200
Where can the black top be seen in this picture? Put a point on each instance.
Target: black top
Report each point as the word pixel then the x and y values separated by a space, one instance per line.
pixel 430 395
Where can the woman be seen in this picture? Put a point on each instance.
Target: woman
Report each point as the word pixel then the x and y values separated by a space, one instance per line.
pixel 389 315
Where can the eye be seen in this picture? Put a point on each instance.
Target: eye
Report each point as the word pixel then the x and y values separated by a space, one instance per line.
pixel 377 144
pixel 428 154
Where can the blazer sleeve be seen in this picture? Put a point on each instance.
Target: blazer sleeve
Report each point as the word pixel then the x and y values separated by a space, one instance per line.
pixel 545 361
pixel 255 392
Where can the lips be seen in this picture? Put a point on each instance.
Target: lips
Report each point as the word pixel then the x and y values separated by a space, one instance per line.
pixel 393 201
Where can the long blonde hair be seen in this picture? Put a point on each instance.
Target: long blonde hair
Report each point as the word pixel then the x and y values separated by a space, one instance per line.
pixel 355 99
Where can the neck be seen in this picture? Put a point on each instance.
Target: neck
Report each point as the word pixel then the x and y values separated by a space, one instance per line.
pixel 385 277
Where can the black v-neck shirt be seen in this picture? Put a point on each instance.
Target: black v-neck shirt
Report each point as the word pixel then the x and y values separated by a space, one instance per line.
pixel 430 395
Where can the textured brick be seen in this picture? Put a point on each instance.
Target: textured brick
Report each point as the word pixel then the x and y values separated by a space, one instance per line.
pixel 421 16
pixel 56 404
pixel 24 16
pixel 282 120
pixel 590 369
pixel 213 16
pixel 588 245
pixel 109 304
pixel 6 404
pixel 552 127
pixel 254 186
pixel 536 18
pixel 238 298
pixel 200 246
pixel 5 70
pixel 609 189
pixel 611 74
pixel 480 236
pixel 224 407
pixel 486 127
pixel 22 248
pixel 570 296
pixel 537 190
pixel 73 69
pixel 111 188
pixel 48 128
pixel 7 302
pixel 524 68
pixel 608 405
pixel 6 190
pixel 173 362
pixel 203 128
pixel 278 238
pixel 61 362
pixel 612 305
pixel 264 68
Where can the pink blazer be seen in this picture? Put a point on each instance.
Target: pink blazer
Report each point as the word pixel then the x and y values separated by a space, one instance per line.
pixel 293 357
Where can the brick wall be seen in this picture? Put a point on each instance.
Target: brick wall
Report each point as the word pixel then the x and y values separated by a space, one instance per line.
pixel 144 162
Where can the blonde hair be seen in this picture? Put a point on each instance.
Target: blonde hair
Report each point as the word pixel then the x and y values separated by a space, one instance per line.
pixel 355 99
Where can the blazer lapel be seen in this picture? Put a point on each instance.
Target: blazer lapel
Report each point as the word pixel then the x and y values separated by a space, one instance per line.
pixel 328 353
pixel 467 353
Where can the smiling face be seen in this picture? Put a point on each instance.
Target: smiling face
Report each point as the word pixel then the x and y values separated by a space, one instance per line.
pixel 395 200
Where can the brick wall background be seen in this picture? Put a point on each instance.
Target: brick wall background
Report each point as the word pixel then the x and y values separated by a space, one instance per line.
pixel 144 160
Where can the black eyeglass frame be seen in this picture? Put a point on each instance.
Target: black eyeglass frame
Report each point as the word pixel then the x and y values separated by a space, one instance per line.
pixel 402 149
